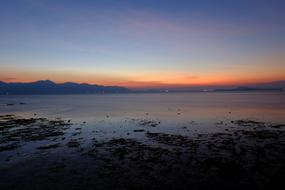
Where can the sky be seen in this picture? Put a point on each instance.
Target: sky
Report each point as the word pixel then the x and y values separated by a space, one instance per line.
pixel 143 43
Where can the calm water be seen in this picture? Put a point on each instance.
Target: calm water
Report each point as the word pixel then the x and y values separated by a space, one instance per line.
pixel 119 116
pixel 197 111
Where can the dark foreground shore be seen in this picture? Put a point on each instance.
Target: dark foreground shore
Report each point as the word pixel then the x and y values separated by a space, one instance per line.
pixel 39 153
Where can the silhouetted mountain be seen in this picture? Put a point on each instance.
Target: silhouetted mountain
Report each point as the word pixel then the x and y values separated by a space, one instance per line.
pixel 247 89
pixel 274 84
pixel 270 86
pixel 49 87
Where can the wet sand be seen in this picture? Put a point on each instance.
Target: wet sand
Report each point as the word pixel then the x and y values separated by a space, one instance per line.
pixel 42 153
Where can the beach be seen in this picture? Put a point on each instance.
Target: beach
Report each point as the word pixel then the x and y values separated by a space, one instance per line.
pixel 143 141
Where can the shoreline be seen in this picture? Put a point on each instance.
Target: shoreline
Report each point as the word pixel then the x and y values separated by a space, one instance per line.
pixel 249 154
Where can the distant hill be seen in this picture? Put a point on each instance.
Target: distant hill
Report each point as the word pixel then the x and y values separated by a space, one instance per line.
pixel 49 87
pixel 269 86
pixel 275 84
pixel 247 89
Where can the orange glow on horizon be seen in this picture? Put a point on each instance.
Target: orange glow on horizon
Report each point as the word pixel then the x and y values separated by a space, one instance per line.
pixel 262 70
pixel 159 82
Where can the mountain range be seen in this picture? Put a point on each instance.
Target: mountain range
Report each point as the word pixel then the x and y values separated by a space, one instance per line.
pixel 270 86
pixel 49 87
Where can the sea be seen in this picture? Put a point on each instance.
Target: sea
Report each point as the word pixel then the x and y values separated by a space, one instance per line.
pixel 120 139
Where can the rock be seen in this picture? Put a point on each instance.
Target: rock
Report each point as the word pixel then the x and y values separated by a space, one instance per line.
pixel 149 123
pixel 73 143
pixel 139 130
pixel 48 146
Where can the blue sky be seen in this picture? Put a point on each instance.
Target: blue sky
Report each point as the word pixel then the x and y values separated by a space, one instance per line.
pixel 142 43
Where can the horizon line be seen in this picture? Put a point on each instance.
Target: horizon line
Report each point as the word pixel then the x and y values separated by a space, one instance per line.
pixel 161 86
